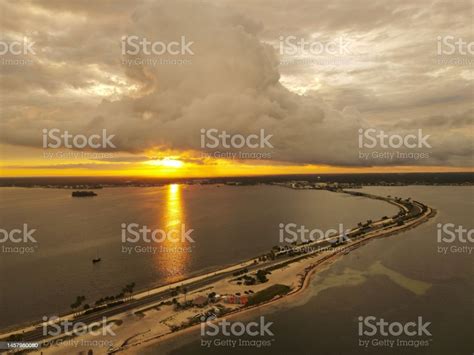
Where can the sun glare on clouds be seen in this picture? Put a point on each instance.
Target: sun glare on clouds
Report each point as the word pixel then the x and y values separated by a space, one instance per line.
pixel 166 162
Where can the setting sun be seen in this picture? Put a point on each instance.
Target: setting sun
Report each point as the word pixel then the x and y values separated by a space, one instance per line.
pixel 166 162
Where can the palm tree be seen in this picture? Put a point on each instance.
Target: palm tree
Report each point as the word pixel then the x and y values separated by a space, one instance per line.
pixel 77 303
pixel 128 289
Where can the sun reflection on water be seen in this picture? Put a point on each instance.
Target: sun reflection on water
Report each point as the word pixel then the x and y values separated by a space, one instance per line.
pixel 175 254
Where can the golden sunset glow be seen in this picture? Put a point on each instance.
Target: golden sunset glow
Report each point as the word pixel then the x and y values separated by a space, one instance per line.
pixel 176 168
pixel 244 104
pixel 167 162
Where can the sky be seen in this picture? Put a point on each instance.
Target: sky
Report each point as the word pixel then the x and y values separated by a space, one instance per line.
pixel 172 88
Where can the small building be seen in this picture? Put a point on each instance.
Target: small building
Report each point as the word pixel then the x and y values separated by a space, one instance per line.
pixel 200 301
pixel 234 299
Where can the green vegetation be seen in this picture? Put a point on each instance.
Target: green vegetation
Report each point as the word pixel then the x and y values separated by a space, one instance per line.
pixel 262 276
pixel 125 294
pixel 77 303
pixel 268 293
pixel 240 272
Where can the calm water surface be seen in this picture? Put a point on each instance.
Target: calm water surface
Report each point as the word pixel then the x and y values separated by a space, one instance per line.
pixel 229 224
pixel 399 279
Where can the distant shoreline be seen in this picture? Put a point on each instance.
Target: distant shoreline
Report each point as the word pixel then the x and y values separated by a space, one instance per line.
pixel 461 178
pixel 75 187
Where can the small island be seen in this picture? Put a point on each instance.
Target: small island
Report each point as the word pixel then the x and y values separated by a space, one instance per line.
pixel 83 194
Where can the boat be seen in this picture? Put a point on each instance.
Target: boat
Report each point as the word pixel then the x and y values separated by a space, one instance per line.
pixel 96 260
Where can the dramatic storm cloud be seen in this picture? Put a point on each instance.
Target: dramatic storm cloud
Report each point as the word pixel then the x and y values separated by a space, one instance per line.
pixel 236 76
